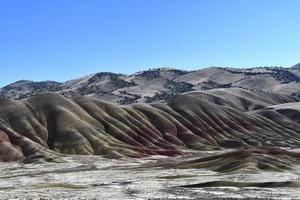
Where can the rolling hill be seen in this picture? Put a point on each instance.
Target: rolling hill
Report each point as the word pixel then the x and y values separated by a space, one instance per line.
pixel 162 83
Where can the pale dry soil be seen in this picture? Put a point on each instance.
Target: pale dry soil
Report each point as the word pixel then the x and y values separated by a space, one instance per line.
pixel 94 177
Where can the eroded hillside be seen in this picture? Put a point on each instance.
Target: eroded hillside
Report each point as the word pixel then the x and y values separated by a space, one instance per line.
pixel 215 119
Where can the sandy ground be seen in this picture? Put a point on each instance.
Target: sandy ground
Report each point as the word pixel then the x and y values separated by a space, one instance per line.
pixel 92 177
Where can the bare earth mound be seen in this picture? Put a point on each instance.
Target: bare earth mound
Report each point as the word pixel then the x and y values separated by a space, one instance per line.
pixel 253 159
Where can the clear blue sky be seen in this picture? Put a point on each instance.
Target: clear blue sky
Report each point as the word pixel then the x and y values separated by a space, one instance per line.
pixel 63 39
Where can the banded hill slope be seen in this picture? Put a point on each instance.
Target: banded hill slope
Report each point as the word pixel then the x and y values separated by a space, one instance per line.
pixel 47 124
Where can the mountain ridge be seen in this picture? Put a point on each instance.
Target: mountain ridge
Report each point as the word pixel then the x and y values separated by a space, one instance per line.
pixel 159 84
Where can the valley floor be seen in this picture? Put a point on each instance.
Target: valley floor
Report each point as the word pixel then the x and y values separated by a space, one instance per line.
pixel 94 177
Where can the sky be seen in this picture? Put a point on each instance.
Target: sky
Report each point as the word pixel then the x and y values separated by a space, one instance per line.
pixel 64 39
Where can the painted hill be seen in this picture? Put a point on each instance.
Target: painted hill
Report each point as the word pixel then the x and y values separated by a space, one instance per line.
pixel 48 123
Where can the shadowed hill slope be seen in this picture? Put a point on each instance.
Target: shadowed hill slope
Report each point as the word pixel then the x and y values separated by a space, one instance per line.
pixel 288 110
pixel 198 121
